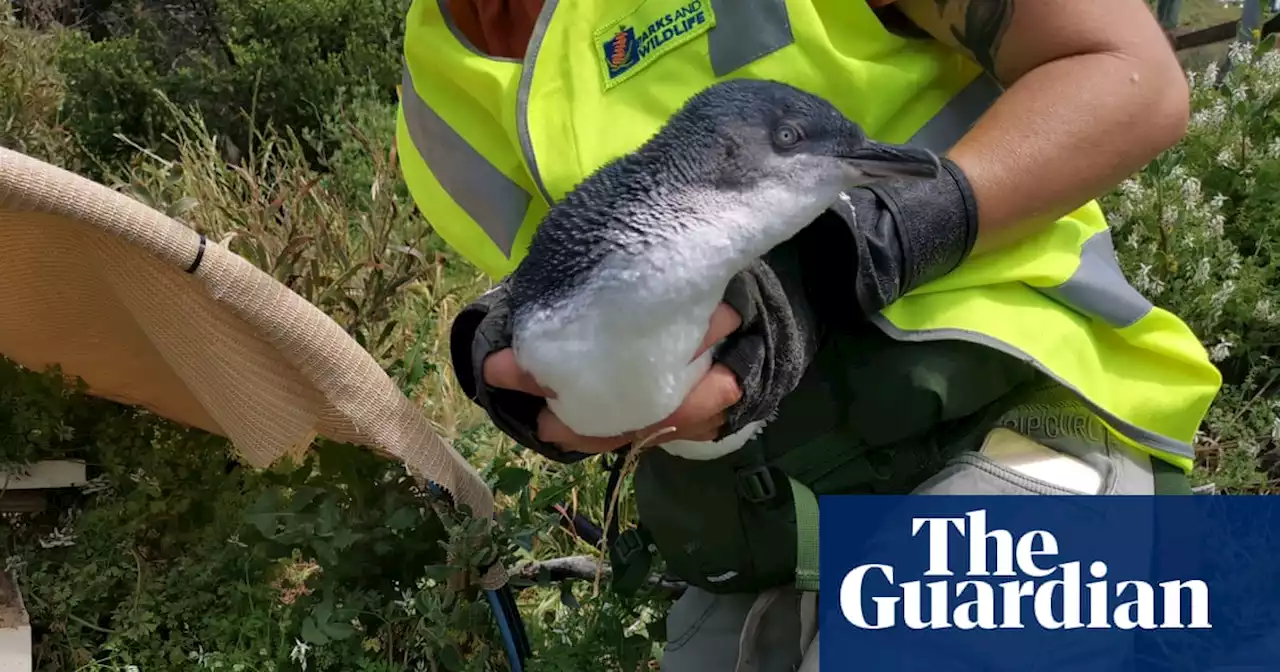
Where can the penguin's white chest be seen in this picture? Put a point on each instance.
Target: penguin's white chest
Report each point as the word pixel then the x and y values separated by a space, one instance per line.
pixel 619 354
pixel 611 369
pixel 615 371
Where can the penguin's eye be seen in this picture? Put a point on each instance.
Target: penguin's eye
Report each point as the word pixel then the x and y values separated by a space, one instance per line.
pixel 787 136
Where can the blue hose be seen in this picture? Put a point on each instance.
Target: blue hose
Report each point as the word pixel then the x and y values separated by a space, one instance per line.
pixel 505 612
pixel 508 632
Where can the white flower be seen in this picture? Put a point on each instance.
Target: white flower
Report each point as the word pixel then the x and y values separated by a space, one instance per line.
pixel 1130 188
pixel 99 483
pixel 1267 86
pixel 1215 226
pixel 1209 118
pixel 1263 310
pixel 1239 53
pixel 1220 351
pixel 406 602
pixel 1220 297
pixel 1203 267
pixel 60 536
pixel 1210 73
pixel 1273 149
pixel 1143 280
pixel 1240 93
pixel 202 659
pixel 299 653
pixel 1269 64
pixel 1226 158
pixel 130 668
pixel 1191 190
pixel 1145 283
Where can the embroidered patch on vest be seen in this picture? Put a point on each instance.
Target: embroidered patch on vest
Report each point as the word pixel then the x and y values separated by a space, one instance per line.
pixel 652 29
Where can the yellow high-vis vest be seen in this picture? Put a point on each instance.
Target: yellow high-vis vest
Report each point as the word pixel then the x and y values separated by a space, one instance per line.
pixel 486 144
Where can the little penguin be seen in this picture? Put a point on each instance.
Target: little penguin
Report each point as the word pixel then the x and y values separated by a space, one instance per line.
pixel 616 292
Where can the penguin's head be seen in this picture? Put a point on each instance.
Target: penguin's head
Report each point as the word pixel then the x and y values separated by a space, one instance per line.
pixel 743 134
pixel 737 169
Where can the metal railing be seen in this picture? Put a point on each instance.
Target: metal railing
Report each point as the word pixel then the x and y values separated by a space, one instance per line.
pixel 1250 27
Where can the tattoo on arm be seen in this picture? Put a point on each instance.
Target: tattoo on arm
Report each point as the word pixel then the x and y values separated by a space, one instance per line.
pixel 985 23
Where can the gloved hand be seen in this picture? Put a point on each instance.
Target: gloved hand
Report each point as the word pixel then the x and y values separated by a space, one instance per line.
pixel 767 354
pixel 905 234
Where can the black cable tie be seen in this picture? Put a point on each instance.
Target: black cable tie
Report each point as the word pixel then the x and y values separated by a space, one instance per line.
pixel 199 256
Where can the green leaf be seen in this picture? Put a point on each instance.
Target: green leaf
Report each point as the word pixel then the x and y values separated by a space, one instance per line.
pixel 181 206
pixel 512 479
pixel 324 550
pixel 344 538
pixel 402 519
pixel 338 630
pixel 264 522
pixel 438 573
pixel 550 495
pixel 450 658
pixel 324 610
pixel 301 498
pixel 634 651
pixel 312 634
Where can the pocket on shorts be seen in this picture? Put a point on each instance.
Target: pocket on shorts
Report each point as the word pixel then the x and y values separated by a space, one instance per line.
pixel 687 616
pixel 1009 463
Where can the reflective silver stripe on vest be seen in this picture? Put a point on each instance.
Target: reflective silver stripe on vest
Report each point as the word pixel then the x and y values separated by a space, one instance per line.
pixel 488 196
pixel 1098 288
pixel 745 31
pixel 522 95
pixel 959 115
pixel 1142 436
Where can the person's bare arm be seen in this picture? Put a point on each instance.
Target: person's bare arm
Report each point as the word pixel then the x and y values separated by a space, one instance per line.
pixel 1094 93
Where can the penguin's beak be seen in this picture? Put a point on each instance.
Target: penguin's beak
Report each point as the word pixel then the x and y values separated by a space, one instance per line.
pixel 884 161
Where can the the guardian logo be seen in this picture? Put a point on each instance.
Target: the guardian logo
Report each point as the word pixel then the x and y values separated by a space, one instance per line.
pixel 1052 593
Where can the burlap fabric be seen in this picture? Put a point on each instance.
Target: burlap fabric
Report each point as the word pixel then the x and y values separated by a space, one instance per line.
pixel 101 284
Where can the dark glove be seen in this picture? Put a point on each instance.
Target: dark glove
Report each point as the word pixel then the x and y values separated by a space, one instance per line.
pixel 779 336
pixel 481 329
pixel 907 233
pixel 769 352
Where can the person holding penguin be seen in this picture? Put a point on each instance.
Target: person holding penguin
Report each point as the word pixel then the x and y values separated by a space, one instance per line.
pixel 923 334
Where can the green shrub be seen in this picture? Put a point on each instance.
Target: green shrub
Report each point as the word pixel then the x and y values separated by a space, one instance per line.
pixel 32 90
pixel 245 65
pixel 173 554
pixel 1197 231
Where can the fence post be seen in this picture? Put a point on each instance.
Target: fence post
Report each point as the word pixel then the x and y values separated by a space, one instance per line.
pixel 1250 21
pixel 1167 12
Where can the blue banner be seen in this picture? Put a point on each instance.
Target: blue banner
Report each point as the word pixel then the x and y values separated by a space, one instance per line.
pixel 1043 583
